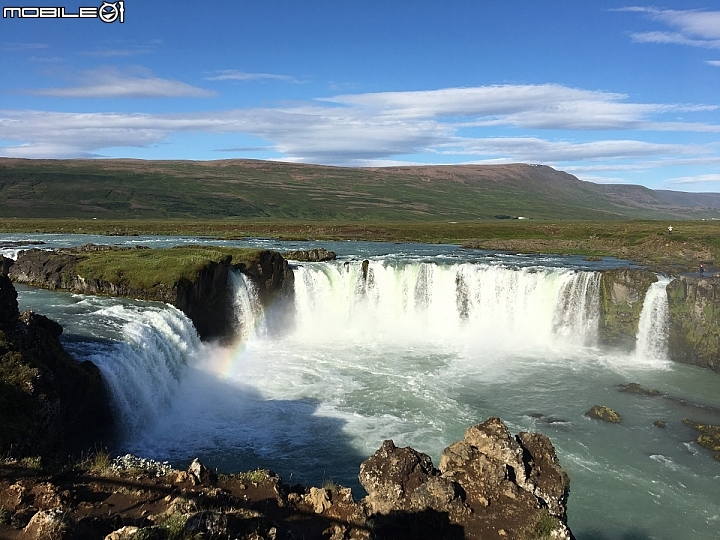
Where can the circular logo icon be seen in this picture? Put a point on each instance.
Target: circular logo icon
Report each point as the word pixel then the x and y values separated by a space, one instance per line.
pixel 109 12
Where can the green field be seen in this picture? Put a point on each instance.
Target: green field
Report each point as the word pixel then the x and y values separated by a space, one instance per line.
pixel 648 242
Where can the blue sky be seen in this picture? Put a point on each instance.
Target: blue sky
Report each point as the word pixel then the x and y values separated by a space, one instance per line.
pixel 613 92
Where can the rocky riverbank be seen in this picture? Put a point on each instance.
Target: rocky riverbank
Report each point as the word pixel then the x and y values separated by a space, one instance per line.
pixel 490 485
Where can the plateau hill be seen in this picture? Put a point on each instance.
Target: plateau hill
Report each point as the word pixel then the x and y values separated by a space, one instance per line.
pixel 242 189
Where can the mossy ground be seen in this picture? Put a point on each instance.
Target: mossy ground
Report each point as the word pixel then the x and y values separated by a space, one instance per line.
pixel 147 269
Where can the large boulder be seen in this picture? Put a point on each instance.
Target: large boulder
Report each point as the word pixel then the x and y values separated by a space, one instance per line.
pixel 488 482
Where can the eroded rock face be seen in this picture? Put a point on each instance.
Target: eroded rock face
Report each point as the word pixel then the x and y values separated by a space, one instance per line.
pixel 694 333
pixel 47 399
pixel 487 482
pixel 392 474
pixel 622 293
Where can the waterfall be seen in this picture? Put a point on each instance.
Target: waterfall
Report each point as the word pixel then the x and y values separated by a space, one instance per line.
pixel 424 300
pixel 142 370
pixel 249 316
pixel 651 341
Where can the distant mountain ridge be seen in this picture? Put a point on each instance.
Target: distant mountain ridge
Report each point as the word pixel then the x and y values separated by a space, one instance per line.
pixel 244 189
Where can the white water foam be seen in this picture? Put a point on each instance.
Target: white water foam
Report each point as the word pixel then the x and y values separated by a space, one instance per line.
pixel 144 369
pixel 248 311
pixel 419 301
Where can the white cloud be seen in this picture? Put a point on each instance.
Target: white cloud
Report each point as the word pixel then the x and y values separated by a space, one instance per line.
pixel 715 63
pixel 694 27
pixel 695 179
pixel 540 150
pixel 356 129
pixel 548 106
pixel 235 75
pixel 110 83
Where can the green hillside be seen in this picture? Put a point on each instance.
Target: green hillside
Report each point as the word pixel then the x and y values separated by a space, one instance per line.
pixel 244 189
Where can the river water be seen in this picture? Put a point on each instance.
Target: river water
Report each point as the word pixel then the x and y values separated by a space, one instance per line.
pixel 430 340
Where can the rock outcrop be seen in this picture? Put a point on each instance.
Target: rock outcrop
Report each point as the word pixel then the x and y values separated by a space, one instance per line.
pixel 206 299
pixel 606 414
pixel 489 485
pixel 48 402
pixel 694 333
pixel 310 255
pixel 622 293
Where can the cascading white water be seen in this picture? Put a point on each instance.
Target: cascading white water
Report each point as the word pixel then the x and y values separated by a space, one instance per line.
pixel 415 300
pixel 249 316
pixel 143 370
pixel 651 341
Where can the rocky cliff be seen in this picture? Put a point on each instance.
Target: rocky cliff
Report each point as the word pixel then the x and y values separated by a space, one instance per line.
pixel 205 297
pixel 694 326
pixel 622 293
pixel 48 402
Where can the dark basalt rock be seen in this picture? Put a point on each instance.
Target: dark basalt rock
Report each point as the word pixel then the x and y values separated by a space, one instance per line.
pixel 635 388
pixel 709 434
pixel 694 333
pixel 48 402
pixel 601 412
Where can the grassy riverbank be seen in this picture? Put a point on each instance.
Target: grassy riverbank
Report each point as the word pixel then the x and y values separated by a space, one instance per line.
pixel 648 242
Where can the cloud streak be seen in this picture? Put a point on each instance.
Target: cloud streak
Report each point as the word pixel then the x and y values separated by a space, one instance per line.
pixel 235 75
pixel 699 179
pixel 110 83
pixel 696 28
pixel 355 129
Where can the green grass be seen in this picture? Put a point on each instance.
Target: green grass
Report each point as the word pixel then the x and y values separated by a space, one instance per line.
pixel 258 476
pixel 542 528
pixel 149 269
pixel 97 462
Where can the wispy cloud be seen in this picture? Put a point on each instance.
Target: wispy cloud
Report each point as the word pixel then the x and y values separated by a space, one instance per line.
pixel 115 53
pixel 694 27
pixel 699 179
pixel 235 75
pixel 16 47
pixel 715 63
pixel 246 149
pixel 46 59
pixel 111 83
